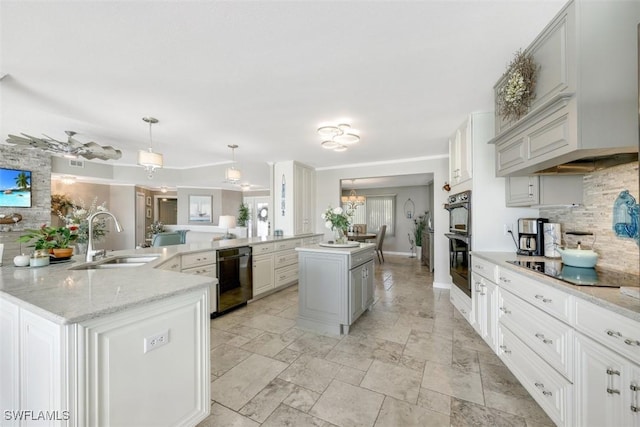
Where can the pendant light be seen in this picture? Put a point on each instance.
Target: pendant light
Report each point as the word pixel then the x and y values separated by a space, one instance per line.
pixel 232 174
pixel 149 160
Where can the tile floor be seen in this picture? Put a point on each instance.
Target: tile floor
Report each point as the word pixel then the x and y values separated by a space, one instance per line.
pixel 410 361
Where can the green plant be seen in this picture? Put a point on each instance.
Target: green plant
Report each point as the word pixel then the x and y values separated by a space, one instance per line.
pixel 156 227
pixel 419 224
pixel 243 215
pixel 336 218
pixel 79 216
pixel 49 237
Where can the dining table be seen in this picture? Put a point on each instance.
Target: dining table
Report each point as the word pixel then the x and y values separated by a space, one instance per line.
pixel 360 237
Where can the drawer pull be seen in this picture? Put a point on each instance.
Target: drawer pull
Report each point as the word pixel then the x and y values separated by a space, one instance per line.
pixel 613 333
pixel 504 310
pixel 504 349
pixel 478 267
pixel 539 385
pixel 631 342
pixel 612 372
pixel 541 297
pixel 613 391
pixel 504 279
pixel 547 393
pixel 635 408
pixel 544 340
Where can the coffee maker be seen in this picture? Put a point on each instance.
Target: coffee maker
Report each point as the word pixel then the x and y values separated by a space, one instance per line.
pixel 531 236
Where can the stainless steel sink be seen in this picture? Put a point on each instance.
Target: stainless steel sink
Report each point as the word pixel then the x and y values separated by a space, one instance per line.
pixel 126 261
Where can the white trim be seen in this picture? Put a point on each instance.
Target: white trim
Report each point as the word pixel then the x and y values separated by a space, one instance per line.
pixel 384 162
pixel 442 285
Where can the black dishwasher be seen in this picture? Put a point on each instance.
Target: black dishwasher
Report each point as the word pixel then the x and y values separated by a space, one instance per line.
pixel 235 283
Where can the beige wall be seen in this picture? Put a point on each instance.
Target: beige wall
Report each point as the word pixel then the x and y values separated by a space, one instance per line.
pixel 224 202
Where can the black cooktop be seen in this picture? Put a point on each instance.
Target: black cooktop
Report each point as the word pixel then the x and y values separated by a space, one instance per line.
pixel 580 276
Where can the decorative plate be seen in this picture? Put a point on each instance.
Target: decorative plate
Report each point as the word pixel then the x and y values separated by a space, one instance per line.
pixel 340 245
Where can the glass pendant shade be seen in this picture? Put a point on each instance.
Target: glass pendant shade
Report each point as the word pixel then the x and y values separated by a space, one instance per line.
pixel 232 174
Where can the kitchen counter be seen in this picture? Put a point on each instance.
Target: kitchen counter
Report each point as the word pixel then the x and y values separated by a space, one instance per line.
pixel 66 296
pixel 609 298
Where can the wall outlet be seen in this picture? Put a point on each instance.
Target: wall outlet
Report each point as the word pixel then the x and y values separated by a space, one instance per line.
pixel 154 341
pixel 507 228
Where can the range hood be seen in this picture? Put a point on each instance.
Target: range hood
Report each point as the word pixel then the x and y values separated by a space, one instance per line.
pixel 589 164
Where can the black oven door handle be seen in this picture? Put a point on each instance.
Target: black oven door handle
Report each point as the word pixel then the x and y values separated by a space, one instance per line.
pixel 227 258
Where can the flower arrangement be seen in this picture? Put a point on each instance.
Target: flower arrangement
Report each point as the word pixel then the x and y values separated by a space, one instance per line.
pixel 78 217
pixel 514 98
pixel 50 237
pixel 338 220
pixel 156 227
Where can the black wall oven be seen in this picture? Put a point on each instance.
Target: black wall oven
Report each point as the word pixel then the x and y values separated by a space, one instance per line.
pixel 459 236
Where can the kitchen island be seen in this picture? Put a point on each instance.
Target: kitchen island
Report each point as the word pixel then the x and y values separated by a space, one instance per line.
pixel 335 286
pixel 107 343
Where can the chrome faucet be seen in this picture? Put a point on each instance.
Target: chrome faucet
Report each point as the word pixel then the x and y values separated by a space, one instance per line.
pixel 91 253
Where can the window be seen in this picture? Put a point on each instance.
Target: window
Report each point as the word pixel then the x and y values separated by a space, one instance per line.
pixel 377 211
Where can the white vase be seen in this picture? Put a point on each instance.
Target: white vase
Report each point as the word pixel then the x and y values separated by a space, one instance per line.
pixel 419 252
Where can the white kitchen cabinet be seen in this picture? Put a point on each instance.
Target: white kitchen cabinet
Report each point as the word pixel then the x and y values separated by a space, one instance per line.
pixel 360 290
pixel 294 198
pixel 460 154
pixel 263 280
pixel 604 386
pixel 484 299
pixel 97 372
pixel 462 303
pixel 335 287
pixel 543 190
pixel 585 96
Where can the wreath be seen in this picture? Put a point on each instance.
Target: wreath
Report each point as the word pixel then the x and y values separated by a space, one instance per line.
pixel 515 96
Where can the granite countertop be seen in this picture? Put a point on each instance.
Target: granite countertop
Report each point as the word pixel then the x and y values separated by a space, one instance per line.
pixel 336 249
pixel 609 298
pixel 63 295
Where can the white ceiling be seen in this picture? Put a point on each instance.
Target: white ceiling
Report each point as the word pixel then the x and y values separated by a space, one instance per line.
pixel 262 75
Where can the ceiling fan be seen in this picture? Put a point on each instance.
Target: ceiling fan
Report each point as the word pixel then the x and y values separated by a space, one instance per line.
pixel 69 148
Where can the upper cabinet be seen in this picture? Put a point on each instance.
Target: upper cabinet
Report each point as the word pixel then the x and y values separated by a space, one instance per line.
pixel 460 152
pixel 586 94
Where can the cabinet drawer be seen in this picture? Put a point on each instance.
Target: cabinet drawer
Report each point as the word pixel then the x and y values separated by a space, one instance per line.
pixel 284 258
pixel 484 268
pixel 199 258
pixel 552 392
pixel 287 244
pixel 311 240
pixel 614 331
pixel 361 257
pixel 263 248
pixel 285 276
pixel 205 270
pixel 553 301
pixel 173 264
pixel 548 337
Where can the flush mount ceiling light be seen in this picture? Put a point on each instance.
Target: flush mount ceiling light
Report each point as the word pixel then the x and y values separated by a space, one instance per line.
pixel 71 148
pixel 232 175
pixel 149 160
pixel 337 136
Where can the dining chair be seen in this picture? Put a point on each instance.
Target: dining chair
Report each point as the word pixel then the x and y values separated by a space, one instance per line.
pixel 378 242
pixel 166 239
pixel 360 228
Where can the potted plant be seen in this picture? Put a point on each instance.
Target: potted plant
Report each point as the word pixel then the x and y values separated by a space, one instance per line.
pixel 243 215
pixel 54 240
pixel 419 224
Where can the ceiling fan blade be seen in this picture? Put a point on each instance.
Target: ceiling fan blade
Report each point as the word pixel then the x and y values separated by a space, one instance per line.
pixel 89 150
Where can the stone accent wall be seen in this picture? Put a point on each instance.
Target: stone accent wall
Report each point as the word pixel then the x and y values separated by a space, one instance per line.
pixel 601 189
pixel 39 163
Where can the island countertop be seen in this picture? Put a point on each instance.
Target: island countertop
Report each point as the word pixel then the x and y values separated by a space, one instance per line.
pixel 63 295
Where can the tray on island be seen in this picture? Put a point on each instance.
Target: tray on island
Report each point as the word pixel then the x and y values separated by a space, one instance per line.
pixel 340 245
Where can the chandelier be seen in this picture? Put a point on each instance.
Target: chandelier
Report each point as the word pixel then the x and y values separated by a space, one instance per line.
pixel 232 175
pixel 149 160
pixel 337 136
pixel 353 200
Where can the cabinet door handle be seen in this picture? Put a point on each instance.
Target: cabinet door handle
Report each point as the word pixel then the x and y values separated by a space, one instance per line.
pixel 504 349
pixel 612 372
pixel 634 398
pixel 543 339
pixel 530 190
pixel 541 297
pixel 612 391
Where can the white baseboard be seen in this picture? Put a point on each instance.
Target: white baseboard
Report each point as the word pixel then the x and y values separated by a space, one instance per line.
pixel 407 254
pixel 442 285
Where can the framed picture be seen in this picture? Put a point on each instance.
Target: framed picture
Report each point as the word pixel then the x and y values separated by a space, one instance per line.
pixel 200 208
pixel 149 213
pixel 148 200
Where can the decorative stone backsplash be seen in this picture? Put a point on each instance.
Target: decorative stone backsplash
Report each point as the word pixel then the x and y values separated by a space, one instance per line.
pixel 601 190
